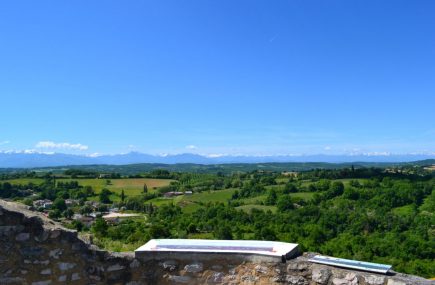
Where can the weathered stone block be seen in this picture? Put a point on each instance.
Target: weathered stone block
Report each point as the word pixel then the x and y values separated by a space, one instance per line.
pixel 46 282
pixel 43 236
pixel 249 278
pixel 75 276
pixel 22 237
pixel 321 275
pixel 298 266
pixel 217 267
pixel 32 251
pixel 41 262
pixel 180 279
pixel 349 279
pixel 12 280
pixel 46 271
pixel 261 269
pixel 95 277
pixel 55 253
pixel 55 233
pixel 134 264
pixel 194 267
pixel 6 230
pixel 78 246
pixel 296 280
pixel 395 282
pixel 115 267
pixel 64 266
pixel 374 280
pixel 217 277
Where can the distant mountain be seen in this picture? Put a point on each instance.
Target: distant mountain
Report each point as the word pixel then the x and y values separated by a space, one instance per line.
pixel 30 160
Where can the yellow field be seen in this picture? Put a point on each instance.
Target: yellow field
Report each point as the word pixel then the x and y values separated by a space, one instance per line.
pixel 431 168
pixel 131 187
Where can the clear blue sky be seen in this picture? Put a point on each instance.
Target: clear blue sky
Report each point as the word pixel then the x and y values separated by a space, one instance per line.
pixel 213 77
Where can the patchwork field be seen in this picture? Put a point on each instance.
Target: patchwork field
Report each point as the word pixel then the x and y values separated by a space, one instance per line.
pixel 189 203
pixel 132 187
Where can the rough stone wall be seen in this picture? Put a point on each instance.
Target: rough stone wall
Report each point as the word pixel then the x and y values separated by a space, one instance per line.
pixel 35 250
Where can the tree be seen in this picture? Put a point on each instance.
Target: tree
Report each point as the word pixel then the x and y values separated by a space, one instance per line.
pixel 192 228
pixel 78 225
pixel 59 204
pixel 54 214
pixel 105 196
pixel 28 202
pixel 271 197
pixel 86 209
pixel 290 188
pixel 265 233
pixel 235 195
pixel 89 191
pixel 100 227
pixel 68 213
pixel 159 231
pixel 336 189
pixel 323 184
pixel 122 195
pixel 312 188
pixel 223 232
pixel 285 203
pixel 145 188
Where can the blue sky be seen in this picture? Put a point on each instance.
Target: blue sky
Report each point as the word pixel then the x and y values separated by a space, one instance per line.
pixel 218 77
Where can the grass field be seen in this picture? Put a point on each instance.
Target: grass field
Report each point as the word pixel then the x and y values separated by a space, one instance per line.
pixel 262 198
pixel 403 211
pixel 248 208
pixel 190 203
pixel 303 195
pixel 25 181
pixel 212 196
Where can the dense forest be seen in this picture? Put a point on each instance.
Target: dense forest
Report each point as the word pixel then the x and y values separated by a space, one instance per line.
pixel 369 214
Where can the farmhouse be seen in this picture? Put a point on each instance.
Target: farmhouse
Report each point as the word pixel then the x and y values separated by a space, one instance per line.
pixel 46 204
pixel 115 218
pixel 104 175
pixel 172 194
pixel 71 202
pixel 86 220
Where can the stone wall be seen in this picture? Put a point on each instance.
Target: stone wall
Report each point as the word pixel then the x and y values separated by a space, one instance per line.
pixel 37 251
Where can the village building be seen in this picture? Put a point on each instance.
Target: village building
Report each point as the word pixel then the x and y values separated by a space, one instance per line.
pixel 85 220
pixel 172 194
pixel 114 218
pixel 45 203
pixel 71 202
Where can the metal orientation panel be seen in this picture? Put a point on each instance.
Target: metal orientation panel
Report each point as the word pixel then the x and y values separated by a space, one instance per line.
pixel 354 264
pixel 266 248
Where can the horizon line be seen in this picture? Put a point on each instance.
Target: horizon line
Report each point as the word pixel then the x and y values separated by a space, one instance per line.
pixel 220 155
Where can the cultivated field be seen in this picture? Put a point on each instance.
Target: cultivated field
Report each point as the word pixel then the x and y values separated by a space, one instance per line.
pixel 131 187
pixel 431 168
